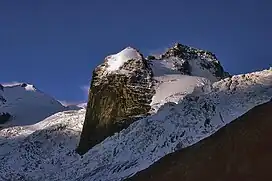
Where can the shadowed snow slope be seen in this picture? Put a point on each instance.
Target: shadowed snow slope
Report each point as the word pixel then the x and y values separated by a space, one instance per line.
pixel 26 104
pixel 45 151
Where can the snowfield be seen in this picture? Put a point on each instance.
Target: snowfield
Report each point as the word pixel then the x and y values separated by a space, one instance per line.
pixel 45 150
pixel 171 88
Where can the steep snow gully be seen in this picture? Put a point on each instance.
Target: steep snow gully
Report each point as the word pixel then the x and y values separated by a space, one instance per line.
pixel 182 115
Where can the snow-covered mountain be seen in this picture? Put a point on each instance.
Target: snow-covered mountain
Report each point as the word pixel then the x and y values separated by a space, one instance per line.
pixel 160 104
pixel 26 104
pixel 127 85
pixel 45 150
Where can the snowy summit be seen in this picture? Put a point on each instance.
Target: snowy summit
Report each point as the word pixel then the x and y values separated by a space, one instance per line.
pixel 26 104
pixel 116 61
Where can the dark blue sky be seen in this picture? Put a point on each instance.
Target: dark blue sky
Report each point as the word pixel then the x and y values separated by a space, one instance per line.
pixel 55 44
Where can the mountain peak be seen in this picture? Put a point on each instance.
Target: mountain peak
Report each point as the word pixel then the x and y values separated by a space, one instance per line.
pixel 114 62
pixel 28 87
pixel 178 45
pixel 26 104
pixel 187 52
pixel 194 61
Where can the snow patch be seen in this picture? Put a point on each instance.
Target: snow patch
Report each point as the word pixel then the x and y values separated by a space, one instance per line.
pixel 83 105
pixel 172 88
pixel 116 61
pixel 29 87
pixel 198 70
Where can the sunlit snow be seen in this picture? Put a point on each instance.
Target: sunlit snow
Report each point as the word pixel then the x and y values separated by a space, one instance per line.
pixel 117 60
pixel 27 105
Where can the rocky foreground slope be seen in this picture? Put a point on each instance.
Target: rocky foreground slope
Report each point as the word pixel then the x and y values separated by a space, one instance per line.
pixel 239 151
pixel 46 150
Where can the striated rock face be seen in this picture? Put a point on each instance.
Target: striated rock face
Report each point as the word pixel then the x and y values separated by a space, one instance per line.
pixel 127 86
pixel 121 89
pixel 239 151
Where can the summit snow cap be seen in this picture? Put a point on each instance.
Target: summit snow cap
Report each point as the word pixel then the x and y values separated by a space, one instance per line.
pixel 116 61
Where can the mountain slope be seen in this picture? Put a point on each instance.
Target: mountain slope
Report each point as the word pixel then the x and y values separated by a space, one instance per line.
pixel 26 104
pixel 45 151
pixel 239 151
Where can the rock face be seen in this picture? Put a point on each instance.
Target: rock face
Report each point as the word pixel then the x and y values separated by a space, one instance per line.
pixel 2 99
pixel 239 151
pixel 121 89
pixel 124 87
pixel 4 117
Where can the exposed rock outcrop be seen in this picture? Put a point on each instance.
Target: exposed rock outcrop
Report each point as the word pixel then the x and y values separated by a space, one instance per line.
pixel 239 151
pixel 4 117
pixel 2 99
pixel 116 96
